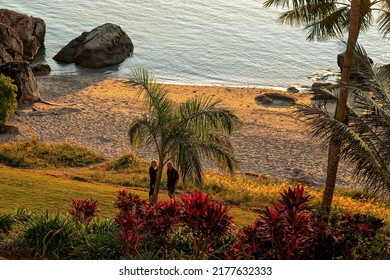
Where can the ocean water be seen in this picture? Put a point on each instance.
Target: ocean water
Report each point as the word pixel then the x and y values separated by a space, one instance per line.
pixel 220 42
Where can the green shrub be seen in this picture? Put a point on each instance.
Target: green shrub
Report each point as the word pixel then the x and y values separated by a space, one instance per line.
pixel 35 154
pixel 6 222
pixel 49 235
pixel 23 215
pixel 99 241
pixel 125 162
pixel 8 101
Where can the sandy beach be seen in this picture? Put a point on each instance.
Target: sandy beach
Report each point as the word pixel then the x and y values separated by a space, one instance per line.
pixel 95 112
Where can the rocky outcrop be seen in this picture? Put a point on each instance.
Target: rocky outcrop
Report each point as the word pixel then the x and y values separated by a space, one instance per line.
pixel 105 45
pixel 24 79
pixel 31 30
pixel 275 99
pixel 40 69
pixel 321 87
pixel 355 63
pixel 11 48
pixel 68 53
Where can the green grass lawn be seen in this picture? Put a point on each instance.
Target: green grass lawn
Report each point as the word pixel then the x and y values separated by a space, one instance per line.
pixel 32 190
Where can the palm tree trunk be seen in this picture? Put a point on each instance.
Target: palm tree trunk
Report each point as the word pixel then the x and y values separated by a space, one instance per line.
pixel 334 150
pixel 158 180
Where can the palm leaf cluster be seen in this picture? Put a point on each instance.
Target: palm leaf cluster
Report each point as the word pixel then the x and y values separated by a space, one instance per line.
pixel 364 136
pixel 325 19
pixel 186 133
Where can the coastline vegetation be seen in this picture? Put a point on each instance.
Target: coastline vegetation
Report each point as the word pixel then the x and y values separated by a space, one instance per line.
pixel 46 194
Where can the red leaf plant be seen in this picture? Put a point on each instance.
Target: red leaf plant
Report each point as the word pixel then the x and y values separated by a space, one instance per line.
pixel 208 221
pixel 140 220
pixel 283 231
pixel 83 211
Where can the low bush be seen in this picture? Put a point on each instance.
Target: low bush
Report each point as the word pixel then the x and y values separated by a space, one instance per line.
pixel 125 162
pixel 208 221
pixel 36 154
pixel 49 235
pixel 154 226
pixel 6 222
pixel 8 101
pixel 100 241
pixel 289 230
pixel 83 211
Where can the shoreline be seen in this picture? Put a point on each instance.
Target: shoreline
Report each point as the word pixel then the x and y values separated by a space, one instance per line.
pixel 95 111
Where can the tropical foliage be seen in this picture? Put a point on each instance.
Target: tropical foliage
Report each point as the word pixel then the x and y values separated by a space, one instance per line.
pixel 330 19
pixel 197 227
pixel 8 101
pixel 325 19
pixel 187 133
pixel 365 136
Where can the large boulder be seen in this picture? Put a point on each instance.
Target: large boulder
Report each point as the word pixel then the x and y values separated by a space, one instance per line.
pixel 24 79
pixel 105 45
pixel 11 48
pixel 31 30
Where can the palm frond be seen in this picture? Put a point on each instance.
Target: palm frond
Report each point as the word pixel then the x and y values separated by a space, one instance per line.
pixel 219 148
pixel 144 129
pixel 155 95
pixel 331 25
pixel 383 19
pixel 203 115
pixel 306 14
pixel 189 161
pixel 369 166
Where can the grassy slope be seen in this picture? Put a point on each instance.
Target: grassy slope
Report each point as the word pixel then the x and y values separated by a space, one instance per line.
pixel 35 191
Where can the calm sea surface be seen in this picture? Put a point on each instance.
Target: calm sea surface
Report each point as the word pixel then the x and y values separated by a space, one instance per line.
pixel 221 42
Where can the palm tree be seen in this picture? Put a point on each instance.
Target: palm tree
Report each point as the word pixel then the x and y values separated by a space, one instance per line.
pixel 364 138
pixel 194 130
pixel 326 19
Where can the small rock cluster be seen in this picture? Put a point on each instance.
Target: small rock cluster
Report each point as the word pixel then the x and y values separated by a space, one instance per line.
pixel 21 37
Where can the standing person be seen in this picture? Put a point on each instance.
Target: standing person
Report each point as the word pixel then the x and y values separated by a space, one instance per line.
pixel 172 179
pixel 153 176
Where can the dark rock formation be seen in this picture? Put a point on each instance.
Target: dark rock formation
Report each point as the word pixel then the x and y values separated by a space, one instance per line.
pixel 9 129
pixel 292 89
pixel 320 87
pixel 40 69
pixel 355 63
pixel 31 30
pixel 67 54
pixel 24 79
pixel 11 48
pixel 105 45
pixel 274 99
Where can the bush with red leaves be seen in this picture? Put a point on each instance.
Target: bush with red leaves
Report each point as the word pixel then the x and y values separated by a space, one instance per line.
pixel 288 230
pixel 140 220
pixel 83 211
pixel 208 221
pixel 284 231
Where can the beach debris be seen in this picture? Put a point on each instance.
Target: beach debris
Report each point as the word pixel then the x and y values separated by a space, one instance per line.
pixel 276 100
pixel 31 30
pixel 104 45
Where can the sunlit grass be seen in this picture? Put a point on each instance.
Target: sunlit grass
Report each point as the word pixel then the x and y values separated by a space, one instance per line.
pixel 51 188
pixel 36 154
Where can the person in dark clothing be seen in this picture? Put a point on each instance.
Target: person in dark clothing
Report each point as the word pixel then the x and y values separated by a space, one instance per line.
pixel 153 176
pixel 172 179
